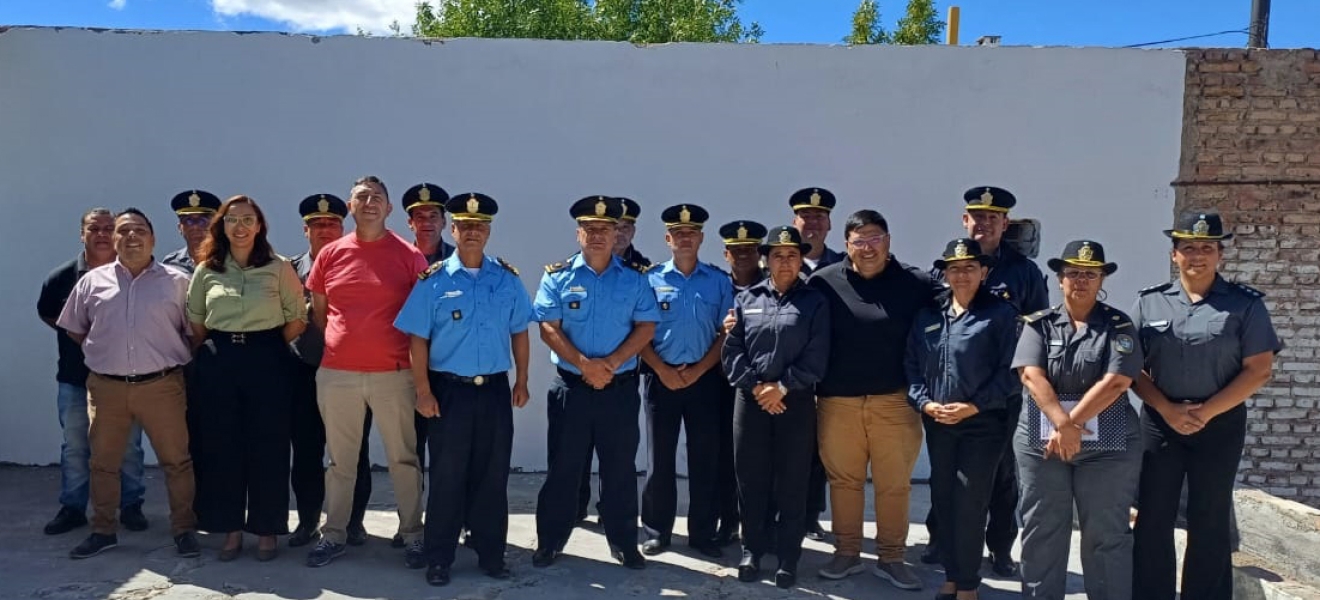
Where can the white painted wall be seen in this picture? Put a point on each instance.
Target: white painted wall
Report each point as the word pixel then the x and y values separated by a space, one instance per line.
pixel 1088 139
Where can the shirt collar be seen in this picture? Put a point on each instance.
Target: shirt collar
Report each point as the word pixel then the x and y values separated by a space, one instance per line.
pixel 453 264
pixel 580 262
pixel 80 263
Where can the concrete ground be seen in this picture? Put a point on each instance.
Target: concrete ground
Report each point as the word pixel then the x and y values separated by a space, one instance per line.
pixel 145 566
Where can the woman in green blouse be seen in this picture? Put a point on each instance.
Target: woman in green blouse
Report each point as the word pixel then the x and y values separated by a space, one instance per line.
pixel 245 304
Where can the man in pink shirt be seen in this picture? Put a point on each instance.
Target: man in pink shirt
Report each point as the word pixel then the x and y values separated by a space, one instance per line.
pixel 129 318
pixel 358 283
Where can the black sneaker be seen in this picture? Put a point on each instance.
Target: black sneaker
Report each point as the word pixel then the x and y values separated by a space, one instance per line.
pixel 324 552
pixel 65 521
pixel 357 535
pixel 187 545
pixel 93 545
pixel 304 535
pixel 132 519
pixel 414 557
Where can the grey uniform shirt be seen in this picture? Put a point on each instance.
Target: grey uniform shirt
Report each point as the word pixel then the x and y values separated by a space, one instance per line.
pixel 180 259
pixel 778 337
pixel 1194 349
pixel 309 346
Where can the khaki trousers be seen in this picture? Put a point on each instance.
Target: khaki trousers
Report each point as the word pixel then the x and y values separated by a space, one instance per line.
pixel 343 397
pixel 884 431
pixel 160 406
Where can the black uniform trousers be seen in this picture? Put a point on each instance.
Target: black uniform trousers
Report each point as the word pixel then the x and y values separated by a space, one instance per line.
pixel 307 477
pixel 578 415
pixel 1208 460
pixel 963 468
pixel 471 444
pixel 728 480
pixel 772 457
pixel 241 433
pixel 584 489
pixel 419 427
pixel 696 409
pixel 1002 528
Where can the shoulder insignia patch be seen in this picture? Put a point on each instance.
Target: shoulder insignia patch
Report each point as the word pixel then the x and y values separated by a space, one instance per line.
pixel 555 267
pixel 1250 291
pixel 639 267
pixel 508 266
pixel 1038 315
pixel 435 266
pixel 1156 288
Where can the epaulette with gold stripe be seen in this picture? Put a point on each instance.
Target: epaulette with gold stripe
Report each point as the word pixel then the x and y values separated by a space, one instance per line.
pixel 506 265
pixel 435 266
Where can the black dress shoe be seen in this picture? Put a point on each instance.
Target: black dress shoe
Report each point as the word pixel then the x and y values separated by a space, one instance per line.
pixel 724 538
pixel 630 558
pixel 785 579
pixel 65 521
pixel 437 575
pixel 544 557
pixel 396 541
pixel 749 568
pixel 500 572
pixel 1002 564
pixel 655 545
pixel 710 550
pixel 187 545
pixel 943 596
pixel 132 519
pixel 304 535
pixel 93 545
pixel 814 531
pixel 356 535
pixel 931 555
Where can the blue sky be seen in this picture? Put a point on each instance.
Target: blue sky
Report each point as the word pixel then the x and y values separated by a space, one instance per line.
pixel 1020 22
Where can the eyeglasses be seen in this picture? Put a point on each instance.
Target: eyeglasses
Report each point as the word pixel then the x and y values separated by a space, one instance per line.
pixel 245 220
pixel 195 220
pixel 872 242
pixel 1083 275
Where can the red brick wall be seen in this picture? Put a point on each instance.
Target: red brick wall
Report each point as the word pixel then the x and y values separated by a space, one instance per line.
pixel 1251 149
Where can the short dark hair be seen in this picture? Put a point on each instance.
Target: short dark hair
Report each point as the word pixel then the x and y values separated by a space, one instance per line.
pixel 95 212
pixel 139 214
pixel 862 218
pixel 372 179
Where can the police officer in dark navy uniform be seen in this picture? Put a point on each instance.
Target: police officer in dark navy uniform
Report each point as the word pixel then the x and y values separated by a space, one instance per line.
pixel 1018 280
pixel 596 314
pixel 741 240
pixel 623 246
pixel 1209 345
pixel 774 355
pixel 323 222
pixel 811 216
pixel 468 319
pixel 684 385
pixel 194 209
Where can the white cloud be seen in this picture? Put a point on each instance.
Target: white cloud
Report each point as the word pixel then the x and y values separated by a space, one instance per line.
pixel 323 15
pixel 118 4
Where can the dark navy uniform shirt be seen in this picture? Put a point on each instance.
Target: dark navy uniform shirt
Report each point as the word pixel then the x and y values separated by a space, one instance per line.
pixel 778 337
pixel 1194 349
pixel 180 259
pixel 309 346
pixel 963 358
pixel 54 293
pixel 827 258
pixel 443 251
pixel 1014 278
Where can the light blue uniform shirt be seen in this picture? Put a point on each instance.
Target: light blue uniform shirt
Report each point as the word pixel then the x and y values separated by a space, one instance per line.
pixel 467 318
pixel 596 312
pixel 692 309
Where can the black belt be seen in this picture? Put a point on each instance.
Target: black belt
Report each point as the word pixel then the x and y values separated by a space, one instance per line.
pixel 143 378
pixel 243 338
pixel 478 380
pixel 623 378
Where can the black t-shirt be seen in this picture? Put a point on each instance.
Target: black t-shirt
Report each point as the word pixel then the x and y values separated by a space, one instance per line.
pixel 54 292
pixel 869 324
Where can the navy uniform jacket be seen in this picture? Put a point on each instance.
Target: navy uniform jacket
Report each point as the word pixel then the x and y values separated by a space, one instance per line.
pixel 827 258
pixel 443 251
pixel 634 259
pixel 1014 278
pixel 310 346
pixel 180 259
pixel 1193 350
pixel 963 358
pixel 784 338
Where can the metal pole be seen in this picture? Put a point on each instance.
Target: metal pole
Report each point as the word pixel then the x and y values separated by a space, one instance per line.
pixel 1259 31
pixel 951 34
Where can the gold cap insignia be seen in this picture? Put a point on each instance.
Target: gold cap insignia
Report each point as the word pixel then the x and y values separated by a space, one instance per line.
pixel 473 205
pixel 600 207
pixel 742 231
pixel 425 194
pixel 684 216
pixel 960 251
pixel 323 205
pixel 1201 227
pixel 785 237
pixel 987 199
pixel 194 200
pixel 815 198
pixel 1085 252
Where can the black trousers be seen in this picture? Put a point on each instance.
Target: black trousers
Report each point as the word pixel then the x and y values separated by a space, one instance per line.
pixel 1002 528
pixel 419 427
pixel 578 415
pixel 307 477
pixel 241 433
pixel 584 489
pixel 728 480
pixel 772 457
pixel 696 409
pixel 1208 460
pixel 471 443
pixel 963 465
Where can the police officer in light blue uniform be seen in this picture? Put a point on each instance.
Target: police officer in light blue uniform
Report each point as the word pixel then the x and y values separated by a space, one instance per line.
pixel 684 384
pixel 468 318
pixel 596 314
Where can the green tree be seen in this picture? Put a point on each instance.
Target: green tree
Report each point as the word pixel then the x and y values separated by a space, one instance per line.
pixel 637 21
pixel 920 24
pixel 866 27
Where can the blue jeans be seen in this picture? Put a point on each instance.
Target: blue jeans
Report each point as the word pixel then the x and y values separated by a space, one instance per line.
pixel 75 452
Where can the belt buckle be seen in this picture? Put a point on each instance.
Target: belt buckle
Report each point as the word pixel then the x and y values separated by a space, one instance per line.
pixel 237 338
pixel 479 380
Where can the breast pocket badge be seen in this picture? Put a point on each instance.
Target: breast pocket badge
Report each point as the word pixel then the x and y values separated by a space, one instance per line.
pixel 458 314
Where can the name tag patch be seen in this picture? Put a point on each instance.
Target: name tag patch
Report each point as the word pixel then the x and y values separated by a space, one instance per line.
pixel 934 327
pixel 454 294
pixel 753 311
